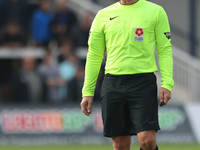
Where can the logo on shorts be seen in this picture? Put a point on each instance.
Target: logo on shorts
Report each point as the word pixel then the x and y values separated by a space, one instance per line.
pixel 152 122
pixel 139 34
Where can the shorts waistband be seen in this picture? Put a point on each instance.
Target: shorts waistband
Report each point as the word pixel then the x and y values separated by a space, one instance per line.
pixel 129 75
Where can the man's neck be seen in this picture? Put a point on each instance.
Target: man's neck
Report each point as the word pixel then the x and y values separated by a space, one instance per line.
pixel 128 2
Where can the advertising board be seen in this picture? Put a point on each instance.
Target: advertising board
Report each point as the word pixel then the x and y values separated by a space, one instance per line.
pixel 63 125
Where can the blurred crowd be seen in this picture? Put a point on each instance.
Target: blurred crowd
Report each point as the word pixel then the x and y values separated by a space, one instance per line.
pixel 58 76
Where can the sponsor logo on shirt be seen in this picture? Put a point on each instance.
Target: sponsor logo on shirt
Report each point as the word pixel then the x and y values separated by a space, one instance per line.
pixel 139 34
pixel 168 35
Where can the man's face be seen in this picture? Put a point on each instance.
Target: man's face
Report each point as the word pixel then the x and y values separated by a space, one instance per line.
pixel 45 5
pixel 61 6
pixel 28 64
pixel 12 28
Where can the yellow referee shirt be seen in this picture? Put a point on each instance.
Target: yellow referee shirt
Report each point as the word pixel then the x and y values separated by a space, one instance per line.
pixel 130 34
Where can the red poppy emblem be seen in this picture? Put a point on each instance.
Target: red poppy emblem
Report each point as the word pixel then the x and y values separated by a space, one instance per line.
pixel 139 31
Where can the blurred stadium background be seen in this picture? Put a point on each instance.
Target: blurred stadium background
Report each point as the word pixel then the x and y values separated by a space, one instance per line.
pixel 43 47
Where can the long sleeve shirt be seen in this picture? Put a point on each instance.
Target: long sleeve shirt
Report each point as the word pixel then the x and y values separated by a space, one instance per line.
pixel 130 34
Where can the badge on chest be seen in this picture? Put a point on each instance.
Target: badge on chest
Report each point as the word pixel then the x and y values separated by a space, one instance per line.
pixel 139 34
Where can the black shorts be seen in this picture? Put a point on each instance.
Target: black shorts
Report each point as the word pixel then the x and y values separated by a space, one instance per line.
pixel 129 104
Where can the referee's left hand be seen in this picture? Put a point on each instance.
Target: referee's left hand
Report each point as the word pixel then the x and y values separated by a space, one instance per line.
pixel 86 105
pixel 165 95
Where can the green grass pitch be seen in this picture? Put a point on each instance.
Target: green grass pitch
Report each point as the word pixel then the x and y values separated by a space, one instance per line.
pixel 97 147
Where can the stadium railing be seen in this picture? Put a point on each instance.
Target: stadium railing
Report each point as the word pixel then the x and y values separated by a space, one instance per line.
pixel 84 6
pixel 21 53
pixel 186 76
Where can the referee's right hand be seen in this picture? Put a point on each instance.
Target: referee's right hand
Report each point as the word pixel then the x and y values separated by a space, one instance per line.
pixel 86 105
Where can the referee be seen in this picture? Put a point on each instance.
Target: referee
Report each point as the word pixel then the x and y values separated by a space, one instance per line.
pixel 129 30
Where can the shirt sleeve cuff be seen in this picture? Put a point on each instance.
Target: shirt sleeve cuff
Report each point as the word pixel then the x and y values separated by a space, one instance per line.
pixel 168 87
